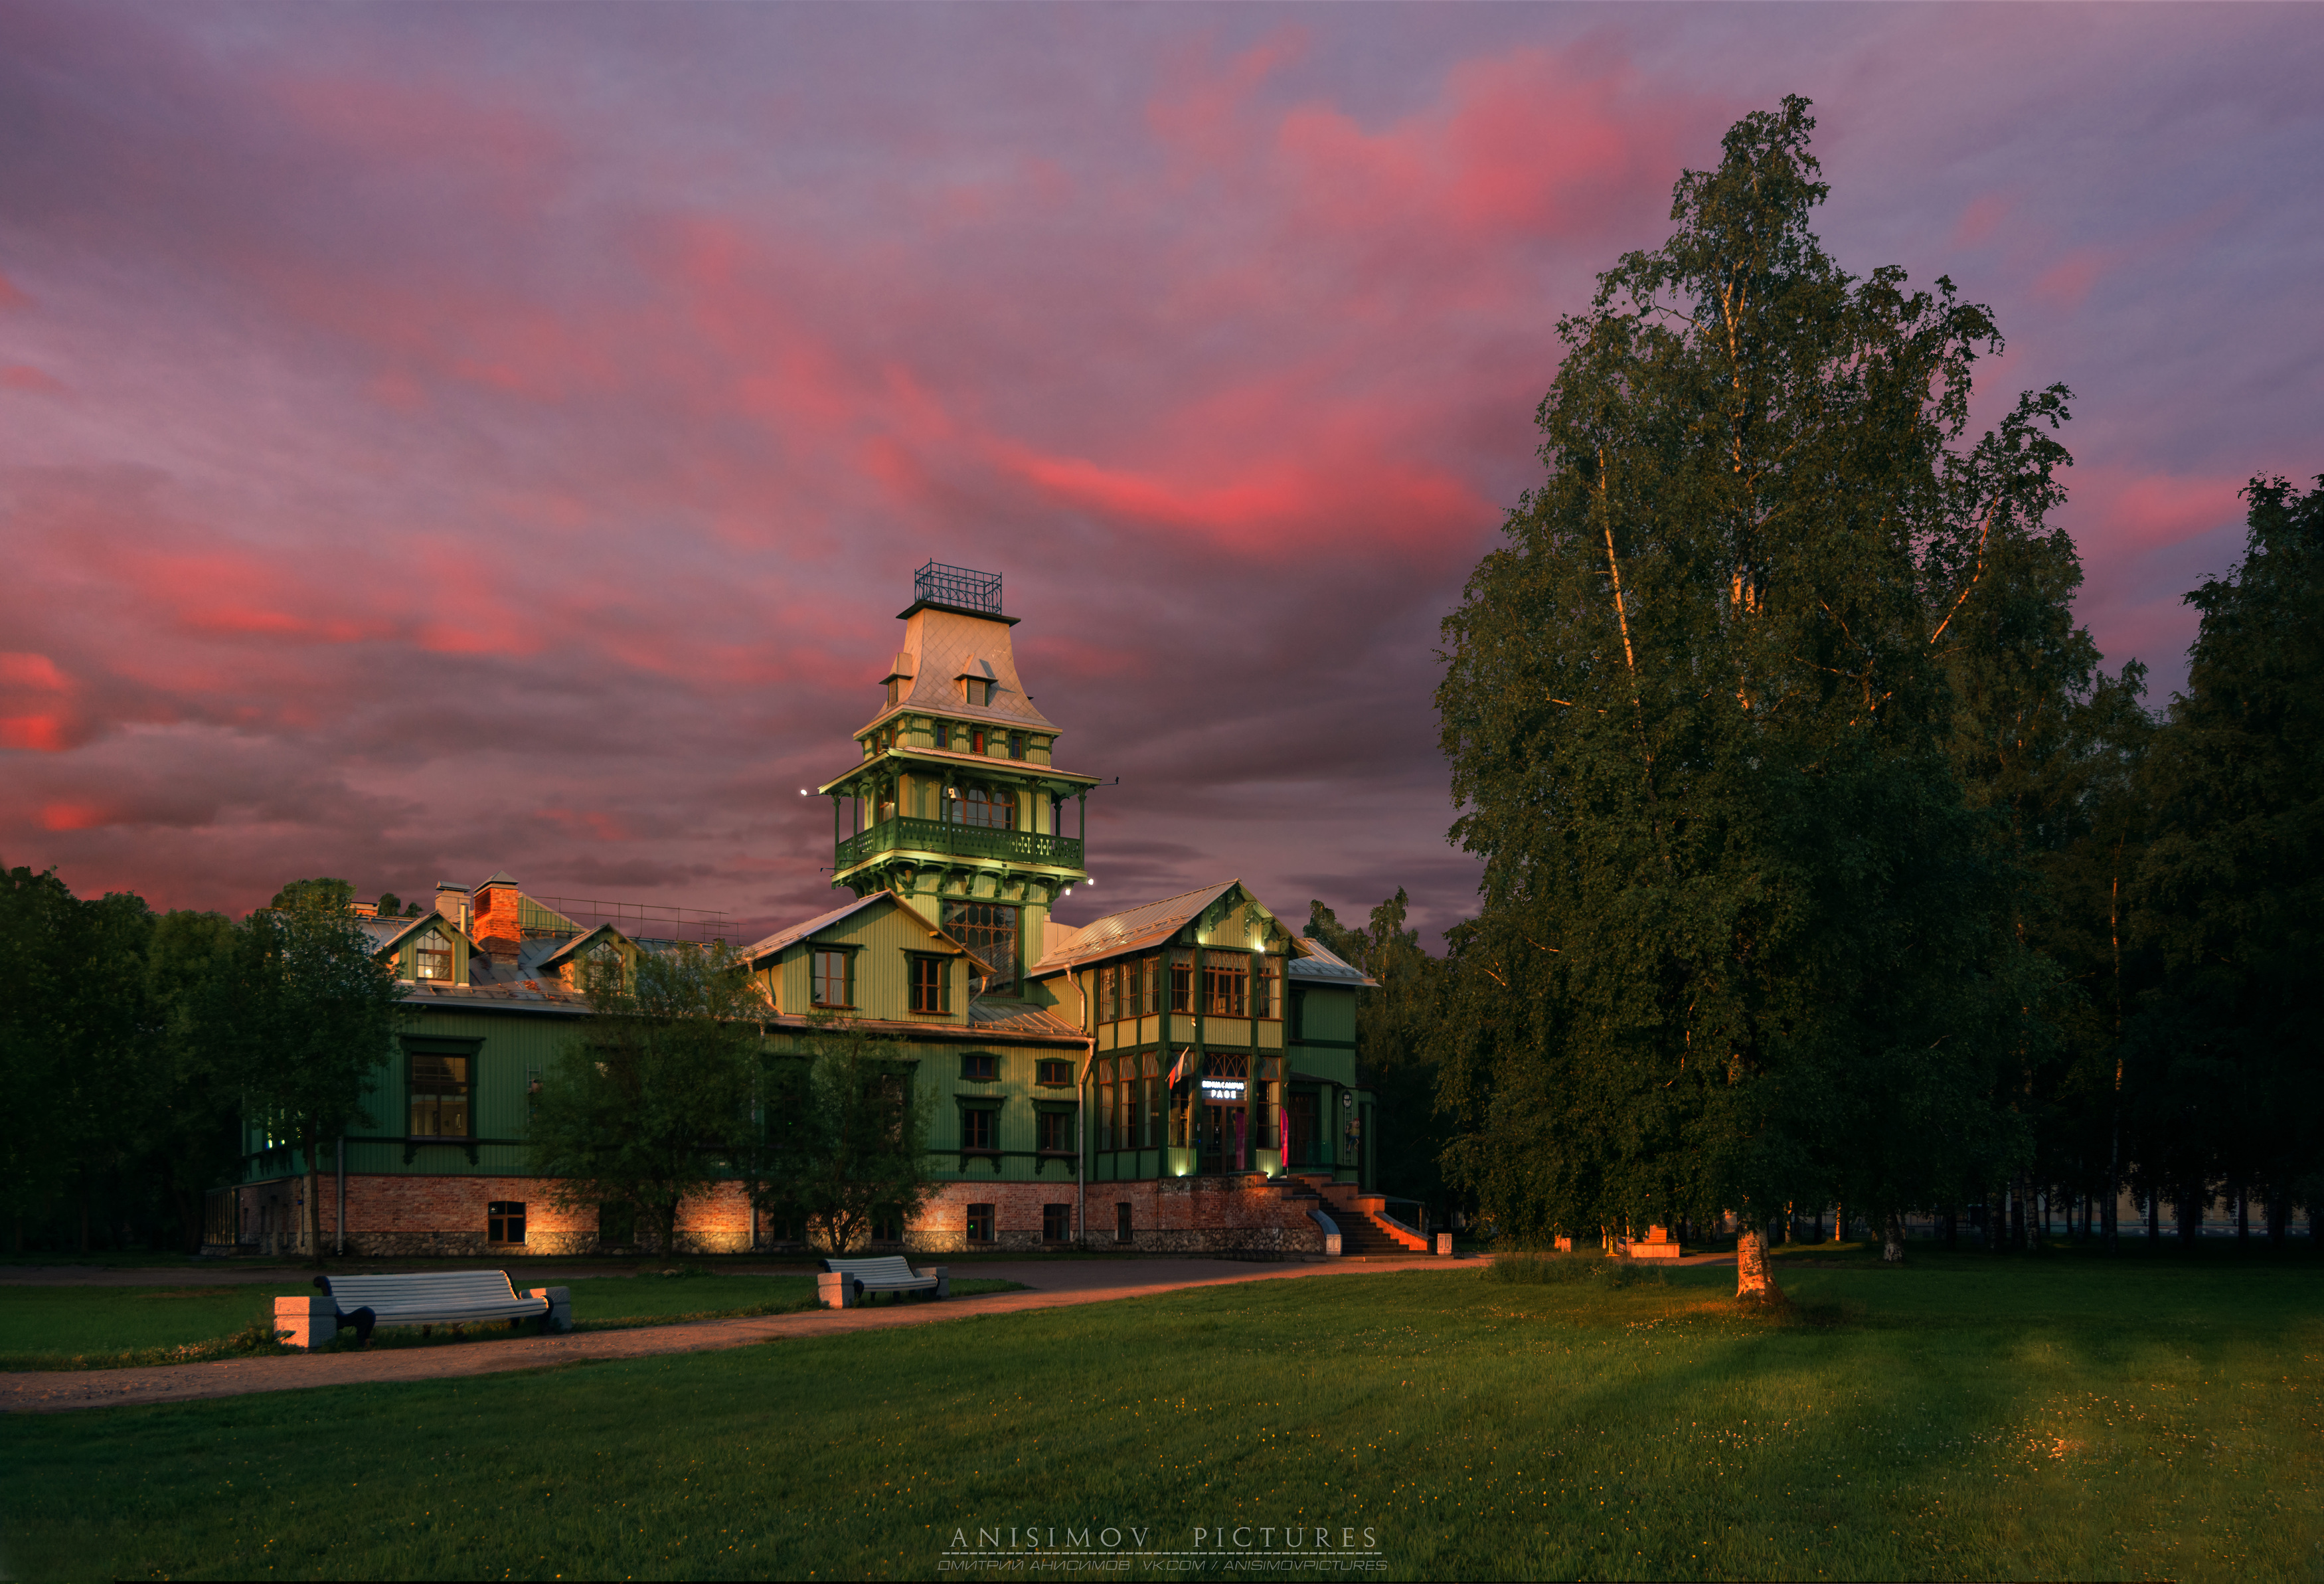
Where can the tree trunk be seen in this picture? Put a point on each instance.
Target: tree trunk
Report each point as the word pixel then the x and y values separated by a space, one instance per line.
pixel 1840 1222
pixel 1891 1252
pixel 1952 1233
pixel 2243 1218
pixel 1753 1278
pixel 669 1230
pixel 313 1229
pixel 2279 1219
pixel 2154 1222
pixel 2191 1206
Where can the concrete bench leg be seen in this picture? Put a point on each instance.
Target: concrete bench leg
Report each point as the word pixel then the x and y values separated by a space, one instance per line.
pixel 559 1317
pixel 942 1273
pixel 837 1290
pixel 304 1322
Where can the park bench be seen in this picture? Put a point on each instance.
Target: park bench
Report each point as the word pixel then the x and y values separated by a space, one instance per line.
pixel 846 1283
pixel 455 1298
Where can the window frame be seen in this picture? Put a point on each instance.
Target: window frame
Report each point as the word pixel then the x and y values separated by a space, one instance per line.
pixel 498 1213
pixel 988 1219
pixel 1053 1072
pixel 1226 983
pixel 968 1077
pixel 919 962
pixel 1053 1117
pixel 1051 1215
pixel 1267 986
pixel 467 1055
pixel 816 951
pixel 449 952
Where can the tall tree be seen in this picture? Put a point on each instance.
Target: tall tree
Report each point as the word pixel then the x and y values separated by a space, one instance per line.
pixel 651 1105
pixel 2226 1056
pixel 1740 934
pixel 1395 1042
pixel 191 1112
pixel 304 1015
pixel 858 1153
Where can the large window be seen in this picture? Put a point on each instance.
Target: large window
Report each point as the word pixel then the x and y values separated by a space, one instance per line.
pixel 984 806
pixel 1226 979
pixel 1266 988
pixel 1056 1134
pixel 1182 984
pixel 431 956
pixel 1150 976
pixel 977 1131
pixel 440 1096
pixel 504 1221
pixel 931 984
pixel 989 930
pixel 1105 1110
pixel 833 974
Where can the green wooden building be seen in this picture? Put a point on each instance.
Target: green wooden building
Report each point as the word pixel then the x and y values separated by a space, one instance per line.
pixel 1177 1077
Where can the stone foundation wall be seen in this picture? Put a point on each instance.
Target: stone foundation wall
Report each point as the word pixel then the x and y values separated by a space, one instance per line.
pixel 405 1217
pixel 1175 1215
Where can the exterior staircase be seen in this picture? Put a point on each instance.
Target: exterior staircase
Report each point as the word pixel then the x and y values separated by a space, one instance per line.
pixel 1365 1230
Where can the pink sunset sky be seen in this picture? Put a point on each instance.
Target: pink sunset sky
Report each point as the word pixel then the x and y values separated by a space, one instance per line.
pixel 436 440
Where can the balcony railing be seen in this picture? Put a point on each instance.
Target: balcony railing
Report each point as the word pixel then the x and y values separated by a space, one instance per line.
pixel 963 841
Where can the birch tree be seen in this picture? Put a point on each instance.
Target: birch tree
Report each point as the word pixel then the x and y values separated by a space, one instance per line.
pixel 1741 937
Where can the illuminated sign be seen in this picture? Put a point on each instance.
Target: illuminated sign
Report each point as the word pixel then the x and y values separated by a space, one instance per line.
pixel 1222 1089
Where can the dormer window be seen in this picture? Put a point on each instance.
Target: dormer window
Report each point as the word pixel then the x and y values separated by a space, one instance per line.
pixel 977 691
pixel 895 690
pixel 431 958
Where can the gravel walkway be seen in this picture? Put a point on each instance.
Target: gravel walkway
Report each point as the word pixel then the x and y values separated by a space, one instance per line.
pixel 1051 1286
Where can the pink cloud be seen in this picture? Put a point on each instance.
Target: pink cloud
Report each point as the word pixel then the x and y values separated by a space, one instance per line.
pixel 1978 221
pixel 23 377
pixel 2065 284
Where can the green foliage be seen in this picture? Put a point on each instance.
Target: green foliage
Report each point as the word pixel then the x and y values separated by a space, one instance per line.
pixel 844 1136
pixel 2223 1072
pixel 651 1104
pixel 316 895
pixel 1988 1419
pixel 301 1014
pixel 1744 940
pixel 1394 1050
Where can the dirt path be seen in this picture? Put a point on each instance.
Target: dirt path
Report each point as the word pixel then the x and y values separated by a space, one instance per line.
pixel 1053 1286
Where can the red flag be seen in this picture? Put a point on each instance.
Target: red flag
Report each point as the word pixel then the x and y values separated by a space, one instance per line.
pixel 1179 1068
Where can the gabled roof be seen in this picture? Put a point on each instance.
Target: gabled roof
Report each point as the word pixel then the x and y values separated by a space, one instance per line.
pixel 1132 929
pixel 388 933
pixel 553 960
pixel 1318 963
pixel 807 927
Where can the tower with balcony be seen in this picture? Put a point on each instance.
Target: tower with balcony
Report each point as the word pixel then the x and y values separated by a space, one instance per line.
pixel 956 802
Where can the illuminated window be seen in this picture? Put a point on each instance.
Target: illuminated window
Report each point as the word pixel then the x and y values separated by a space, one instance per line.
pixel 1226 979
pixel 431 956
pixel 440 1096
pixel 1266 988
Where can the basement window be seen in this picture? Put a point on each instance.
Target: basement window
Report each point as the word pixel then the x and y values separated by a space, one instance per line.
pixel 504 1221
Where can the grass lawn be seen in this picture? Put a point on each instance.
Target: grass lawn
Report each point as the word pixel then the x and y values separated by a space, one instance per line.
pixel 81 1327
pixel 1965 1417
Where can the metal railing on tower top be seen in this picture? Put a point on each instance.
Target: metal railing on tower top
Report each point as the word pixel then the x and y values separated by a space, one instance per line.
pixel 959 587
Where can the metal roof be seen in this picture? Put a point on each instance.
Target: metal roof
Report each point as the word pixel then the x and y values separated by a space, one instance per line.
pixel 945 758
pixel 801 931
pixel 939 643
pixel 1132 929
pixel 1319 963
